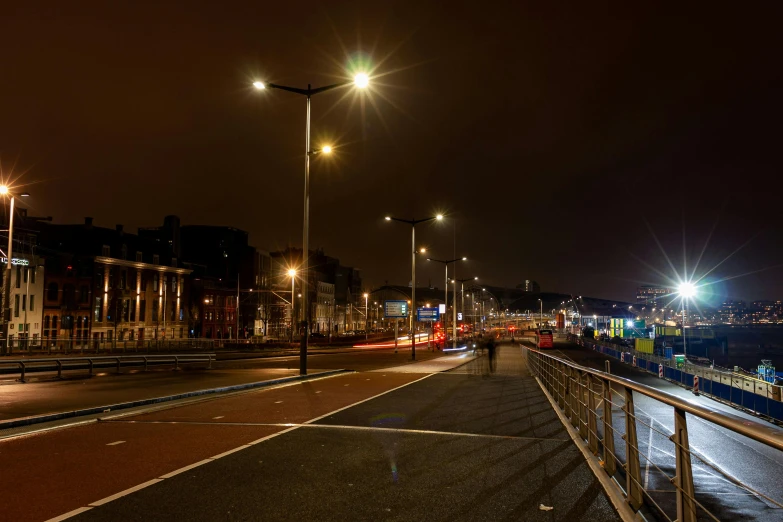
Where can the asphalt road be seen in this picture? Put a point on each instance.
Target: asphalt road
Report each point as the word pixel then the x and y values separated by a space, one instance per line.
pixel 382 445
pixel 78 390
pixel 730 469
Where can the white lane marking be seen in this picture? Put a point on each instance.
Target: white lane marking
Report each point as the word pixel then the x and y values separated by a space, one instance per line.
pixel 278 402
pixel 123 493
pixel 116 443
pixel 186 468
pixel 346 385
pixel 69 514
pixel 229 452
pixel 218 417
pixel 319 391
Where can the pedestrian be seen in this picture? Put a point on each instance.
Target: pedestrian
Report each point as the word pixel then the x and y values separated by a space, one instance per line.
pixel 491 352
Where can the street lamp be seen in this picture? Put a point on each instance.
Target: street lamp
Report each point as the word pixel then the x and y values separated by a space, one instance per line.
pixel 292 275
pixel 454 322
pixel 366 319
pixel 361 81
pixel 541 314
pixel 686 290
pixel 413 223
pixel 462 294
pixel 5 191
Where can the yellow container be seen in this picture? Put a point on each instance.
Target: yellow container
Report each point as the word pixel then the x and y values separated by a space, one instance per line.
pixel 644 345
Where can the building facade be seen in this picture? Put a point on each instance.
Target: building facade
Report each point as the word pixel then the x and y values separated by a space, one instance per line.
pixel 652 295
pixel 27 292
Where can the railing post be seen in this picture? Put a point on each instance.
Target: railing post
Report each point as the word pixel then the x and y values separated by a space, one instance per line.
pixel 632 468
pixel 567 390
pixel 176 362
pixel 592 424
pixel 21 364
pixel 145 363
pixel 90 361
pixel 683 481
pixel 59 369
pixel 561 387
pixel 118 365
pixel 573 397
pixel 581 397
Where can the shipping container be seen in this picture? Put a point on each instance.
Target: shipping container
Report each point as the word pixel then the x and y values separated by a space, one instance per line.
pixel 560 321
pixel 644 345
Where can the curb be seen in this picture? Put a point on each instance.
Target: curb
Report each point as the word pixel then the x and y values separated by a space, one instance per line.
pixel 28 421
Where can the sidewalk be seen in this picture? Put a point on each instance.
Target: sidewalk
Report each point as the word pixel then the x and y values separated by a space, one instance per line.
pixel 466 444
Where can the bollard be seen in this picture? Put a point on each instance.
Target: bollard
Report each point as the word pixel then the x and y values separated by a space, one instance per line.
pixel 59 369
pixel 145 363
pixel 660 371
pixel 23 368
pixel 90 361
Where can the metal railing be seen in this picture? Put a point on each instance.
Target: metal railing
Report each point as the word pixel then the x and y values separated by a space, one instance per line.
pixel 739 388
pixel 25 366
pixel 588 397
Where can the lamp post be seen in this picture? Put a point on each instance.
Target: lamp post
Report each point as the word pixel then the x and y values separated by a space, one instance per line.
pixel 454 325
pixel 292 275
pixel 686 290
pixel 413 223
pixel 541 314
pixel 360 80
pixel 366 319
pixel 4 191
pixel 462 295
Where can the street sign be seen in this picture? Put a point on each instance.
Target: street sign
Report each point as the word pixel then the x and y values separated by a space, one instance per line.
pixel 459 316
pixel 427 314
pixel 395 309
pixel 442 309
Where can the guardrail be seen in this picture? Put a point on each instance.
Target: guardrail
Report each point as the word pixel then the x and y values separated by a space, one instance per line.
pixel 583 395
pixel 25 366
pixel 741 390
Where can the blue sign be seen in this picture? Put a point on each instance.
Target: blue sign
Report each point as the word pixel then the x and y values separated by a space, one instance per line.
pixel 427 314
pixel 395 309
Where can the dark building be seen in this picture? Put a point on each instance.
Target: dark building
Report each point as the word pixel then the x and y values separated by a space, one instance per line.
pixel 334 291
pixel 108 285
pixel 226 272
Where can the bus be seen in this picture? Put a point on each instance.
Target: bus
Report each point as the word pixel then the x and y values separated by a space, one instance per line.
pixel 544 339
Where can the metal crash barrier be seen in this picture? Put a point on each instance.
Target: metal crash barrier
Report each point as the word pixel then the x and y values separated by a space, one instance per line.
pixel 25 366
pixel 660 473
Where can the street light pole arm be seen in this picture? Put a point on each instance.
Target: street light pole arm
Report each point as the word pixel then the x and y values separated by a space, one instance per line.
pixel 296 90
pixel 330 87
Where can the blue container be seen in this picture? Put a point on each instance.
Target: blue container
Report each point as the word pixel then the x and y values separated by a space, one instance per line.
pixel 668 353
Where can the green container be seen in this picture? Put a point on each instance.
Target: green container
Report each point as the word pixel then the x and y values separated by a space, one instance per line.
pixel 679 360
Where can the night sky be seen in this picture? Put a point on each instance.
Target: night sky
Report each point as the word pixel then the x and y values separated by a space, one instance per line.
pixel 559 140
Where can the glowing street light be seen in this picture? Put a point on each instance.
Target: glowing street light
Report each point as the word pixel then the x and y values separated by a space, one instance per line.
pixel 292 275
pixel 6 317
pixel 686 290
pixel 454 308
pixel 366 319
pixel 413 223
pixel 361 81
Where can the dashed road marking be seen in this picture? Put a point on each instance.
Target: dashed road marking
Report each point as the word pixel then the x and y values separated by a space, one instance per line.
pixel 278 402
pixel 218 417
pixel 116 443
